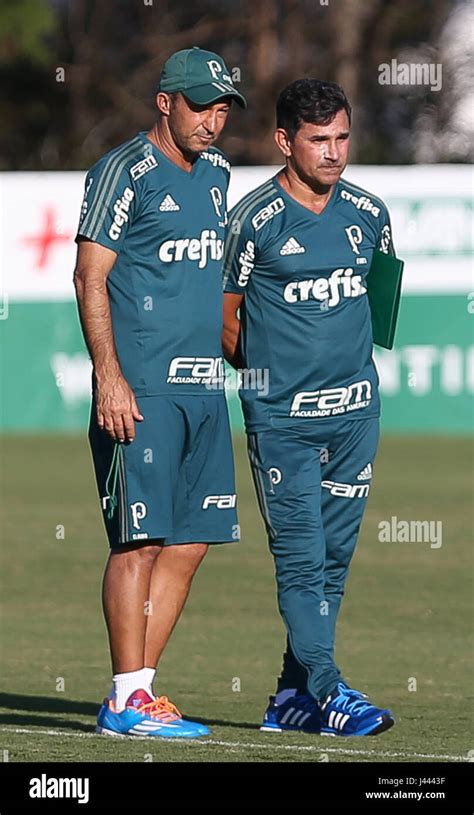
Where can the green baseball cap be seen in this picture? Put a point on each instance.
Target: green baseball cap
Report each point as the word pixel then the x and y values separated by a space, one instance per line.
pixel 201 76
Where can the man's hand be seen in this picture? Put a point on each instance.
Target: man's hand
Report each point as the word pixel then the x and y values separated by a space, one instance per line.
pixel 117 409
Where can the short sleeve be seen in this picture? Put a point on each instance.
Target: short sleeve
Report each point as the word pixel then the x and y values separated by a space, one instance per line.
pixel 108 206
pixel 239 255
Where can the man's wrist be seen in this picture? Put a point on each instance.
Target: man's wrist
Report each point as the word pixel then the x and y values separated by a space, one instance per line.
pixel 107 372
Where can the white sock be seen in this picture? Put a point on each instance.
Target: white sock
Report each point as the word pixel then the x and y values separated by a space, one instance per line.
pixel 284 695
pixel 150 675
pixel 147 673
pixel 126 683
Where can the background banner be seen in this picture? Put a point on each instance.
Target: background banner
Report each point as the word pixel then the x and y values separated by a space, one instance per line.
pixel 427 380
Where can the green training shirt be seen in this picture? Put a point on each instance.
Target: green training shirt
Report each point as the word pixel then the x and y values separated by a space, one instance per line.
pixel 305 315
pixel 167 226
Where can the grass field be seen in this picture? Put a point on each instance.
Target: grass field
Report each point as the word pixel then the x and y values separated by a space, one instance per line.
pixel 407 615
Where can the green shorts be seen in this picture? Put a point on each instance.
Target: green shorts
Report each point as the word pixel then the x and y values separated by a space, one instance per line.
pixel 175 482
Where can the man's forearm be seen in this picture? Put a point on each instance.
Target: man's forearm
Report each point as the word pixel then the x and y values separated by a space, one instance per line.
pixel 230 343
pixel 96 321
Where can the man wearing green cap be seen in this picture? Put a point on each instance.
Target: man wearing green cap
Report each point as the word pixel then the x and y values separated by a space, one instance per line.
pixel 148 283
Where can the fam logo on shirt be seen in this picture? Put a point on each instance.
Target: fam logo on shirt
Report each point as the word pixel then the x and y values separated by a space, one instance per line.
pixel 196 371
pixel 143 166
pixel 219 501
pixel 331 401
pixel 267 213
pixel 346 490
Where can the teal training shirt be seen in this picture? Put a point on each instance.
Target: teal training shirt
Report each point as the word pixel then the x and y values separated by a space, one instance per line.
pixel 165 288
pixel 305 315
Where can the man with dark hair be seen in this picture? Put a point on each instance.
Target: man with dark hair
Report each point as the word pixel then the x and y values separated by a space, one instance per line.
pixel 296 261
pixel 148 281
pixel 310 100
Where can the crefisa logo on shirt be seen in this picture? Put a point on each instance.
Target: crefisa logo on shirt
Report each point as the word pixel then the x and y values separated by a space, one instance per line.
pixel 328 290
pixel 207 247
pixel 331 401
pixel 361 202
pixel 121 209
pixel 246 263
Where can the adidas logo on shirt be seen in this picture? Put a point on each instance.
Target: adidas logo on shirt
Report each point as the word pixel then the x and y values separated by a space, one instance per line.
pixel 168 204
pixel 292 247
pixel 366 473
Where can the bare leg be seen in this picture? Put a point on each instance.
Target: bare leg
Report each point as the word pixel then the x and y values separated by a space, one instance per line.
pixel 171 579
pixel 125 591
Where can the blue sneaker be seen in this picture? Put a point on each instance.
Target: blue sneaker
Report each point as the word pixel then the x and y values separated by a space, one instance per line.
pixel 348 712
pixel 145 716
pixel 300 712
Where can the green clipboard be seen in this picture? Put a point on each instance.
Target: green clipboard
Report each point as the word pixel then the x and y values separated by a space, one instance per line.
pixel 384 284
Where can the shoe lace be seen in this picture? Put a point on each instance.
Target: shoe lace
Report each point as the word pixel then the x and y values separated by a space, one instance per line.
pixel 161 708
pixel 353 701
